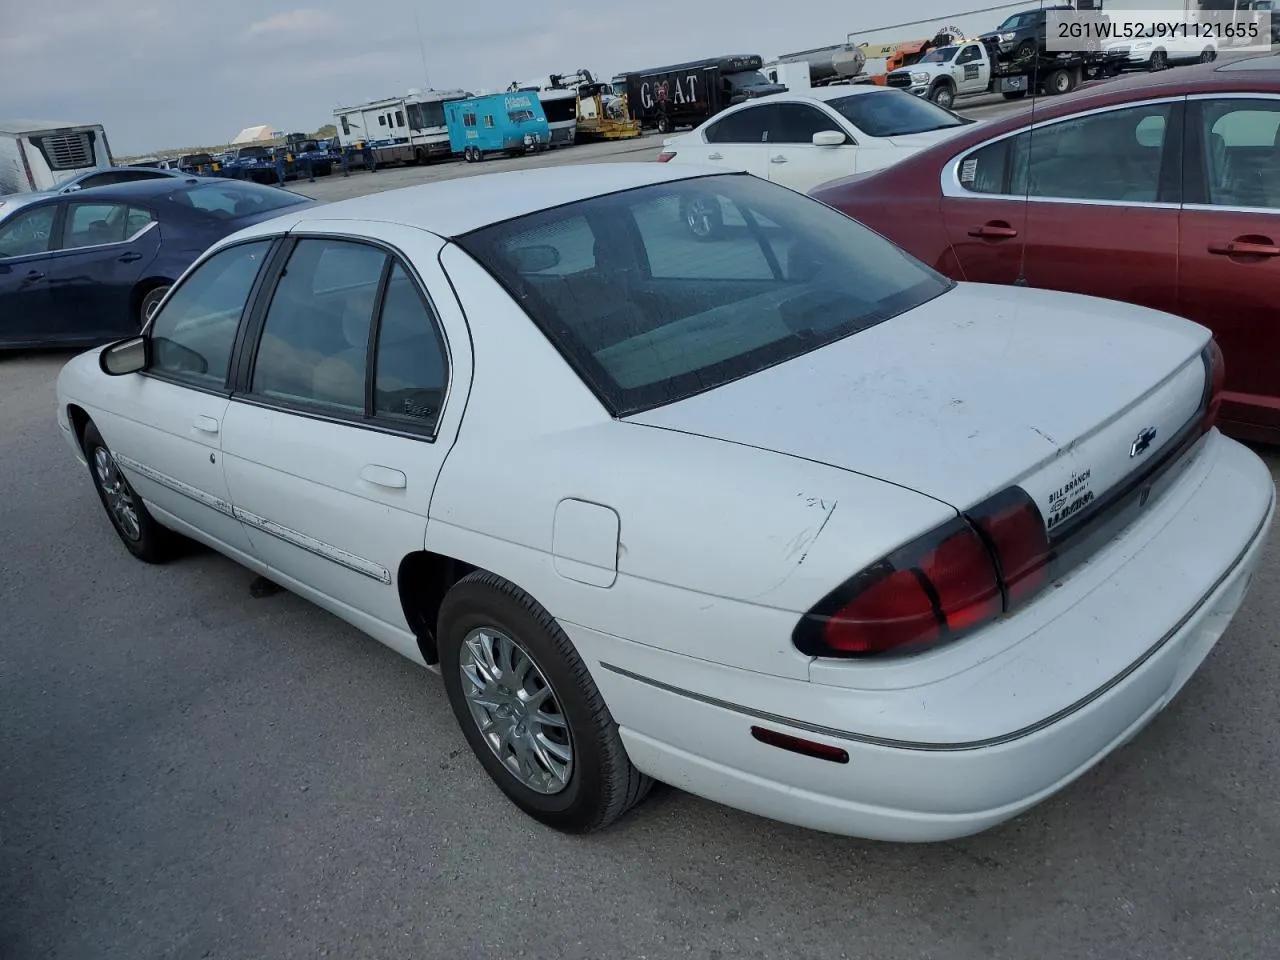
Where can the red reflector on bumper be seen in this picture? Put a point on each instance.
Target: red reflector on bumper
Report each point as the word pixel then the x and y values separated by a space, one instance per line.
pixel 809 748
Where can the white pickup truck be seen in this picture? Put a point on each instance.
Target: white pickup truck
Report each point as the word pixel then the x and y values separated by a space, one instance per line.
pixel 968 69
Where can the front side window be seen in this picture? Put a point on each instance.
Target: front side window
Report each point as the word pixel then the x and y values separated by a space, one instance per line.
pixel 28 233
pixel 1241 152
pixel 659 316
pixel 748 125
pixel 798 122
pixel 315 338
pixel 192 334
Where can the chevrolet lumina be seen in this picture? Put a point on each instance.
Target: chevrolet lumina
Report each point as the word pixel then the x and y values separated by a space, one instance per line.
pixel 788 520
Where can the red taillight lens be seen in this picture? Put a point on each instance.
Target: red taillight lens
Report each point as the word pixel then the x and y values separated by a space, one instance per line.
pixel 938 587
pixel 935 587
pixel 666 155
pixel 1216 376
pixel 1016 533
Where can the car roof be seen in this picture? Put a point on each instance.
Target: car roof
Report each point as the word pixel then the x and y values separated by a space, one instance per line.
pixel 450 208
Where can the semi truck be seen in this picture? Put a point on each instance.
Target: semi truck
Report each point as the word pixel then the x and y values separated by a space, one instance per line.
pixel 686 94
pixel 40 154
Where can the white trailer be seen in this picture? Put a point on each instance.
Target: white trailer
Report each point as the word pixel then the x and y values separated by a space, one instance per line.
pixel 559 103
pixel 408 129
pixel 40 154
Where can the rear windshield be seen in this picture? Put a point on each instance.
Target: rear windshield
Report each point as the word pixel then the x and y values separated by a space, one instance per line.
pixel 661 292
pixel 893 113
pixel 226 199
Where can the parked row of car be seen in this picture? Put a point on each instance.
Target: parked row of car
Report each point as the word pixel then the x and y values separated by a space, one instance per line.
pixel 782 512
pixel 1160 191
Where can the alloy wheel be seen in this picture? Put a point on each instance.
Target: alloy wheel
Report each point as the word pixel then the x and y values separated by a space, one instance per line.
pixel 516 710
pixel 120 502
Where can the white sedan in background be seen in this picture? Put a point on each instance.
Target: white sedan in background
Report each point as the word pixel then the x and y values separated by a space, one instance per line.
pixel 808 137
pixel 788 520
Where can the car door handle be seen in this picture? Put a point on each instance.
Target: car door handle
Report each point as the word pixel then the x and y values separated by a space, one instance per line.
pixel 35 275
pixel 777 159
pixel 716 156
pixel 130 257
pixel 994 228
pixel 1261 247
pixel 206 424
pixel 383 476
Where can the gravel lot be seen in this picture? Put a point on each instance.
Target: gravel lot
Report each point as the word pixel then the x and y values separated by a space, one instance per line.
pixel 189 772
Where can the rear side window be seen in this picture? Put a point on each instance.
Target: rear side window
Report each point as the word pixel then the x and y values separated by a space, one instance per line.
pixel 697 283
pixel 193 332
pixel 315 338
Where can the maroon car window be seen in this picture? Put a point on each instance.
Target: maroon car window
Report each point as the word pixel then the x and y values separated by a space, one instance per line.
pixel 1242 152
pixel 1116 155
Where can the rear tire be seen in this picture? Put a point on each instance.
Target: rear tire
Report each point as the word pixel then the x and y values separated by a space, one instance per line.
pixel 529 709
pixel 1058 83
pixel 664 124
pixel 133 523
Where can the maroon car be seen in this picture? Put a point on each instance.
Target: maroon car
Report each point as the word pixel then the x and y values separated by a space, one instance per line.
pixel 1161 191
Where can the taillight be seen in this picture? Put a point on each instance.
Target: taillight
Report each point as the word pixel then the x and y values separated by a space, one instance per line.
pixel 666 155
pixel 938 587
pixel 1215 380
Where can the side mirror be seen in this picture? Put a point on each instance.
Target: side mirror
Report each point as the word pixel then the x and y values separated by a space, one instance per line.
pixel 535 258
pixel 828 138
pixel 125 356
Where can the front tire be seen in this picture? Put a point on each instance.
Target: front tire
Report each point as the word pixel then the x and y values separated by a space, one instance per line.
pixel 529 709
pixel 1159 61
pixel 943 95
pixel 133 523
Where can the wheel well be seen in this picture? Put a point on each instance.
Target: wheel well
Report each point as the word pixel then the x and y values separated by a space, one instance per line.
pixel 79 420
pixel 422 581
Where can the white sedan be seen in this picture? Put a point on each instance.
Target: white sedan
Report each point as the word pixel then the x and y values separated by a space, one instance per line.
pixel 787 520
pixel 809 137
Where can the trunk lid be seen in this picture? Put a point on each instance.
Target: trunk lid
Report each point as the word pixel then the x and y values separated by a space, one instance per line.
pixel 983 387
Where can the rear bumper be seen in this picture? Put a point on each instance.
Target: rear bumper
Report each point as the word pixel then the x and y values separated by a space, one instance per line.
pixel 688 723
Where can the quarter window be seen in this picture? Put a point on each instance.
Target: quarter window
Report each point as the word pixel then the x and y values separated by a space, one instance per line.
pixel 192 334
pixel 315 338
pixel 409 377
pixel 1241 152
pixel 28 233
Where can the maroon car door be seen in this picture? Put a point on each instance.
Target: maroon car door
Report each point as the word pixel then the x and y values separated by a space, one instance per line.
pixel 1086 204
pixel 1230 249
pixel 984 222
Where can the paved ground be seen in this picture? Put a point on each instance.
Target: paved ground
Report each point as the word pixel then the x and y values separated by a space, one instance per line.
pixel 188 772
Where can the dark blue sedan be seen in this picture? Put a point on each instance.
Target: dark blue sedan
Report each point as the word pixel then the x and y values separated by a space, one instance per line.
pixel 87 267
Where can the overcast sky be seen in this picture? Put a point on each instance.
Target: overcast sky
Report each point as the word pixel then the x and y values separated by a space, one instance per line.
pixel 162 74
